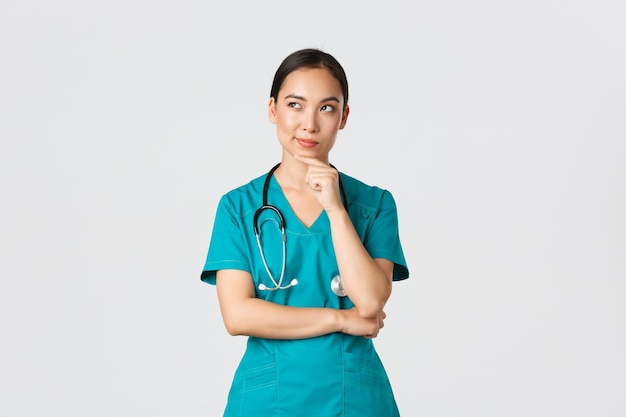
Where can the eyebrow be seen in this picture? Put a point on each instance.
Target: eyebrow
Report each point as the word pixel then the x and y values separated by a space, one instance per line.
pixel 297 97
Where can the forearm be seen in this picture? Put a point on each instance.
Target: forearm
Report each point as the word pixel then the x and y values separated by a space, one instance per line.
pixel 260 318
pixel 364 281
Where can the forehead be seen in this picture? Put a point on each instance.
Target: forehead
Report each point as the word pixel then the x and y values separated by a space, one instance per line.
pixel 311 83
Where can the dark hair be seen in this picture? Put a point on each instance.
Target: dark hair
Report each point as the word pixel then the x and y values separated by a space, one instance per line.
pixel 310 58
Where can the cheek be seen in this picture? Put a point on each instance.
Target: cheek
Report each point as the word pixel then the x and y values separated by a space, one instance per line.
pixel 333 122
pixel 287 120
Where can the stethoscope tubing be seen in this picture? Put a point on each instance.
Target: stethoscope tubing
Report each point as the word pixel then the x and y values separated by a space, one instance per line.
pixel 282 226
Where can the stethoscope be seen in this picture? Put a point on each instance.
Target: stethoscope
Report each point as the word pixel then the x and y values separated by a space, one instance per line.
pixel 335 284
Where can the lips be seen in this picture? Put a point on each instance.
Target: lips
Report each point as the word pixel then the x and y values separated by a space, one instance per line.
pixel 306 143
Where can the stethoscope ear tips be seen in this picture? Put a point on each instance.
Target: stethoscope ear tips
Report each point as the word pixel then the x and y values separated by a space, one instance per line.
pixel 262 287
pixel 293 282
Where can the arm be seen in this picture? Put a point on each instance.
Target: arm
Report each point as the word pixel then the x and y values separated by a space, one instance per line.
pixel 367 281
pixel 244 314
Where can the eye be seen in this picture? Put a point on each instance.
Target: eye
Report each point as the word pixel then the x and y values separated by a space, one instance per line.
pixel 294 105
pixel 327 108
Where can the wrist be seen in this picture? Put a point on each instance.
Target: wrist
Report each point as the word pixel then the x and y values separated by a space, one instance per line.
pixel 338 213
pixel 339 321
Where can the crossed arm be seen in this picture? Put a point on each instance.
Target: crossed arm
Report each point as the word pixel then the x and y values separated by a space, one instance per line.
pixel 367 281
pixel 244 314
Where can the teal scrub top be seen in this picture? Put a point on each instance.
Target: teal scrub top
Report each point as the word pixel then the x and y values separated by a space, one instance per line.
pixel 326 376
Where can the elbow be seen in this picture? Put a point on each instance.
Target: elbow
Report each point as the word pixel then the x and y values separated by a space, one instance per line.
pixel 370 309
pixel 237 318
pixel 233 331
pixel 233 327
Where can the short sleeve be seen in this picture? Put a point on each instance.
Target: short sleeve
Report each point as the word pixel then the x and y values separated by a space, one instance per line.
pixel 383 239
pixel 226 249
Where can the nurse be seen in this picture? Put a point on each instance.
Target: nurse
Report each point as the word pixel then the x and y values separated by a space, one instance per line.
pixel 303 258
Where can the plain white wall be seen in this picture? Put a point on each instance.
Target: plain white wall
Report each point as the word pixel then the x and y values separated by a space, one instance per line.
pixel 498 126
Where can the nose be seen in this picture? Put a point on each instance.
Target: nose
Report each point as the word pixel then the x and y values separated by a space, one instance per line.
pixel 309 122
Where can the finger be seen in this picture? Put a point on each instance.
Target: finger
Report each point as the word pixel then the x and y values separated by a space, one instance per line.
pixel 318 182
pixel 315 176
pixel 316 185
pixel 310 161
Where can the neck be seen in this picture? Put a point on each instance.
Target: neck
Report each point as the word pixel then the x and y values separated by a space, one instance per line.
pixel 292 173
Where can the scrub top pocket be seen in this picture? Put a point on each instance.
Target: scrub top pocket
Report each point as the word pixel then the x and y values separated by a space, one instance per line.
pixel 367 388
pixel 254 392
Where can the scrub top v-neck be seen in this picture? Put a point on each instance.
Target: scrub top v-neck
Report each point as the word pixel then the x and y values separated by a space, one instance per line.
pixel 331 375
pixel 276 191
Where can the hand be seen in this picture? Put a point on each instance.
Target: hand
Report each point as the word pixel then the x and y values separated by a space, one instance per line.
pixel 356 325
pixel 324 180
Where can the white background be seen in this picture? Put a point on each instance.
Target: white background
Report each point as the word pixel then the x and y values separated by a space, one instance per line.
pixel 498 126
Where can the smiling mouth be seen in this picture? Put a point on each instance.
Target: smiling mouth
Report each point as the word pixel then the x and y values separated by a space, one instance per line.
pixel 306 143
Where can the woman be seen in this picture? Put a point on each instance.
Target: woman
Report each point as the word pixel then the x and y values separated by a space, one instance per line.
pixel 310 297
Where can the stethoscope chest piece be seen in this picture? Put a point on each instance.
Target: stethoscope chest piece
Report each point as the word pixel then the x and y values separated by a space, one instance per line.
pixel 336 286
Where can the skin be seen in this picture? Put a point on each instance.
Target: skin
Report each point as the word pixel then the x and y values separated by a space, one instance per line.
pixel 308 113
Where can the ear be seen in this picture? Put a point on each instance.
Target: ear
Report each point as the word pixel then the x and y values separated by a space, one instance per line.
pixel 344 117
pixel 271 110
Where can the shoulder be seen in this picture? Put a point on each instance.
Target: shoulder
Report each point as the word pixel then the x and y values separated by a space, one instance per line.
pixel 253 185
pixel 244 197
pixel 366 196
